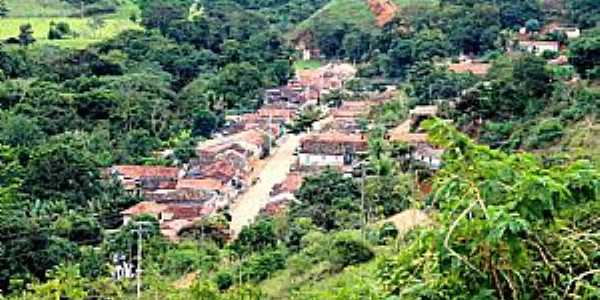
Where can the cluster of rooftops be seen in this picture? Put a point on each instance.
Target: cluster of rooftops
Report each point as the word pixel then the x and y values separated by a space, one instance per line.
pixel 227 165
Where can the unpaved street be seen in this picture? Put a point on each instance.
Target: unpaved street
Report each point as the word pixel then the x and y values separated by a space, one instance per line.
pixel 275 170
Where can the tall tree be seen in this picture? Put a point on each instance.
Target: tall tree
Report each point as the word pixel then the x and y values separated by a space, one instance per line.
pixel 26 35
pixel 3 9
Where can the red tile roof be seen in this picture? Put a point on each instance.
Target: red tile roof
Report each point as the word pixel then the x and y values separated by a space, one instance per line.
pixel 220 170
pixel 200 184
pixel 479 69
pixel 274 208
pixel 145 207
pixel 291 184
pixel 146 171
pixel 333 143
pixel 348 114
pixel 276 113
pixel 186 211
pixel 253 136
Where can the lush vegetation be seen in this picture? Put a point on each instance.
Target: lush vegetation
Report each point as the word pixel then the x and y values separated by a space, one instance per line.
pixel 512 213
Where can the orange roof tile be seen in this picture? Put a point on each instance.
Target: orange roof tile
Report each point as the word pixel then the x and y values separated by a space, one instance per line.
pixel 145 207
pixel 291 184
pixel 334 143
pixel 146 171
pixel 479 69
pixel 200 184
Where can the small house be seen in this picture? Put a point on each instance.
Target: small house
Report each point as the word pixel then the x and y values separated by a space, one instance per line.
pixel 539 47
pixel 331 149
pixel 146 177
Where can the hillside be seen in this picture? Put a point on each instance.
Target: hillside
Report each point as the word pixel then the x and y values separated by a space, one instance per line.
pixel 86 30
pixel 365 14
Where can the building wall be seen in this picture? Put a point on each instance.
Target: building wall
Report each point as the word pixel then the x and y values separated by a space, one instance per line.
pixel 309 159
pixel 539 49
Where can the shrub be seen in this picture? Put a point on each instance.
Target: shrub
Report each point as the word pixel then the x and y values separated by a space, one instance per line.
pixel 257 268
pixel 545 133
pixel 224 280
pixel 387 231
pixel 349 249
pixel 547 54
pixel 59 31
pixel 256 237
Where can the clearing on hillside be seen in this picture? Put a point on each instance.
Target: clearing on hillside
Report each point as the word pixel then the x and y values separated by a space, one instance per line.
pixel 39 8
pixel 384 11
pixel 87 30
pixel 366 14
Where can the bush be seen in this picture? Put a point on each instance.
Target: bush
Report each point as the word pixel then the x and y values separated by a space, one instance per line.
pixel 547 54
pixel 387 231
pixel 256 237
pixel 257 268
pixel 224 280
pixel 188 257
pixel 545 133
pixel 59 31
pixel 349 249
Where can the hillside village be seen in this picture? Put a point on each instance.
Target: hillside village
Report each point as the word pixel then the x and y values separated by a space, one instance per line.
pixel 231 164
pixel 299 149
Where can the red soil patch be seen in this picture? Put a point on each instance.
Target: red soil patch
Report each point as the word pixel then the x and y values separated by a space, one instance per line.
pixel 384 10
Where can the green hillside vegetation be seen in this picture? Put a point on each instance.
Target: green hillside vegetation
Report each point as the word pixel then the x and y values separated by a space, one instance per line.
pixel 349 12
pixel 40 8
pixel 512 210
pixel 85 30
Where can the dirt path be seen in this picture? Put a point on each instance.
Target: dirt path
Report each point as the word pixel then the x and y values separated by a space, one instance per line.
pixel 276 168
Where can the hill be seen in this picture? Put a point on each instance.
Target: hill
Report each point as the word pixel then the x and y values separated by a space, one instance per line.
pixel 87 30
pixel 39 8
pixel 365 14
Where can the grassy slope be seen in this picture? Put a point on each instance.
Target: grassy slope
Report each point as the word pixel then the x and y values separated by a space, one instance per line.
pixel 318 282
pixel 352 12
pixel 39 8
pixel 45 11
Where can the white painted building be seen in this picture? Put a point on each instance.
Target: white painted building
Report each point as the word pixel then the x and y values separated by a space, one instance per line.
pixel 539 47
pixel 332 149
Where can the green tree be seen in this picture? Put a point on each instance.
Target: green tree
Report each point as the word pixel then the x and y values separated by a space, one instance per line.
pixel 238 85
pixel 3 9
pixel 65 281
pixel 18 130
pixel 26 35
pixel 533 25
pixel 256 237
pixel 530 74
pixel 205 123
pixel 584 53
pixel 585 13
pixel 511 205
pixel 330 200
pixel 62 170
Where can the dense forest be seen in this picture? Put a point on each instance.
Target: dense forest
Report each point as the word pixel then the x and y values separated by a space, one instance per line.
pixel 513 213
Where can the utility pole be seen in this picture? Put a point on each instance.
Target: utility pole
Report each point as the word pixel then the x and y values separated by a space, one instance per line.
pixel 362 196
pixel 138 272
pixel 270 123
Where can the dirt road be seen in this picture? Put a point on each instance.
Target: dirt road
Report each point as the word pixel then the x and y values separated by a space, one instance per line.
pixel 276 168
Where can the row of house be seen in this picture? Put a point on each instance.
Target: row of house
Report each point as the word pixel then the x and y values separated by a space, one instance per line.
pixel 527 40
pixel 421 151
pixel 178 197
pixel 316 83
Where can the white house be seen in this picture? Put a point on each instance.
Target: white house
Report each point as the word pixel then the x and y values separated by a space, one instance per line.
pixel 331 149
pixel 539 47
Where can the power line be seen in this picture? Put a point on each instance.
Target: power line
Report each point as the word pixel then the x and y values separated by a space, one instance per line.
pixel 138 271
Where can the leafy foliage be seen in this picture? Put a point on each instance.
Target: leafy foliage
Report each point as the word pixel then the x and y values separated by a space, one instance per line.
pixel 500 219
